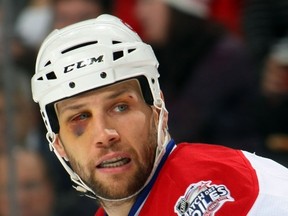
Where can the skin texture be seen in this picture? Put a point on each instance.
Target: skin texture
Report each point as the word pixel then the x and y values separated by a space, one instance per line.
pixel 109 136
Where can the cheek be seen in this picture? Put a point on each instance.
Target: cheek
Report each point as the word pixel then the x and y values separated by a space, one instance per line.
pixel 74 142
pixel 73 131
pixel 78 129
pixel 148 150
pixel 143 132
pixel 138 125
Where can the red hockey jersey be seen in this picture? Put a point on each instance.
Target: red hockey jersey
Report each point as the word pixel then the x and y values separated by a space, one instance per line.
pixel 208 180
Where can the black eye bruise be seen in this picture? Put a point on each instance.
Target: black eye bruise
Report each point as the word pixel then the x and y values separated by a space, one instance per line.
pixel 78 130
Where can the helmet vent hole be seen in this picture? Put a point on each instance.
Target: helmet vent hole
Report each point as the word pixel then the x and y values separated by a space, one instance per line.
pixel 47 63
pixel 72 85
pixel 131 50
pixel 79 46
pixel 116 42
pixel 118 55
pixel 103 75
pixel 153 80
pixel 51 76
pixel 40 78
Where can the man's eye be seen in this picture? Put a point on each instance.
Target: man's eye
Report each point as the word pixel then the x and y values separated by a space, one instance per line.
pixel 80 117
pixel 121 108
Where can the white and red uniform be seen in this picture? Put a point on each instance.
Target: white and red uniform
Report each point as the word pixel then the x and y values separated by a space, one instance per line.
pixel 207 180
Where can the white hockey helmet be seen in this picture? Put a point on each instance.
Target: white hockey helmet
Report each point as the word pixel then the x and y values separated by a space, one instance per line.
pixel 88 55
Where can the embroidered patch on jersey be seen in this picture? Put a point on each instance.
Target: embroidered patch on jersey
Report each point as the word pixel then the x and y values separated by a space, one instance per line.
pixel 202 199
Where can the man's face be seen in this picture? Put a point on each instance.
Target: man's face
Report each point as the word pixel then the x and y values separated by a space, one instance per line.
pixel 109 136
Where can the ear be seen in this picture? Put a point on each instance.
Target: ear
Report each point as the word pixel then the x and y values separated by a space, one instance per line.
pixel 157 113
pixel 59 147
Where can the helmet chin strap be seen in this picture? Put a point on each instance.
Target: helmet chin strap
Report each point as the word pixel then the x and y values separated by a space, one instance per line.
pixel 163 138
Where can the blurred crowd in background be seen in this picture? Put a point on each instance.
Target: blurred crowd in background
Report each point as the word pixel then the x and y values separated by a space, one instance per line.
pixel 223 70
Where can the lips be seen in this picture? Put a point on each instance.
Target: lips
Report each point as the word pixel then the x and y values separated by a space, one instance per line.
pixel 114 162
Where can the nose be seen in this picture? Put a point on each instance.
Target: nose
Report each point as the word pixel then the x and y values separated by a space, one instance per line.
pixel 107 137
pixel 104 135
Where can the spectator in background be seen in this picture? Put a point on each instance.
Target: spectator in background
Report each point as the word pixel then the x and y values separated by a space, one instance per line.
pixel 37 190
pixel 25 122
pixel 266 33
pixel 265 22
pixel 34 23
pixel 31 27
pixel 67 12
pixel 35 194
pixel 206 74
pixel 40 17
pixel 228 13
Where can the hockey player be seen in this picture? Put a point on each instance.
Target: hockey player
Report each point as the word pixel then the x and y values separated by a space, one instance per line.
pixel 97 86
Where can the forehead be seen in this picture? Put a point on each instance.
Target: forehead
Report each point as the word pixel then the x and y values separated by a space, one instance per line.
pixel 115 90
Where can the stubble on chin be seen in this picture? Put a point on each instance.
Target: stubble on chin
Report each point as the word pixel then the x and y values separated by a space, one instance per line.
pixel 126 185
pixel 120 186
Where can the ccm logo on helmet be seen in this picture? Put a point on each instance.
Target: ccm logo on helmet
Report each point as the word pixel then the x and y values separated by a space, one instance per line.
pixel 83 63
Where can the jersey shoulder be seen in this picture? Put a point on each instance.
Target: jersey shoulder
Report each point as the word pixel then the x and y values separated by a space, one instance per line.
pixel 206 178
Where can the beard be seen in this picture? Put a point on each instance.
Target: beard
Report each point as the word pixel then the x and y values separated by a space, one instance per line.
pixel 129 185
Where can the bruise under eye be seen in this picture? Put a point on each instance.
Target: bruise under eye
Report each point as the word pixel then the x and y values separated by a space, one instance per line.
pixel 78 129
pixel 79 124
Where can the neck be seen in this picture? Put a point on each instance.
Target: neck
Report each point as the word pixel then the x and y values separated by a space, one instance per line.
pixel 121 208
